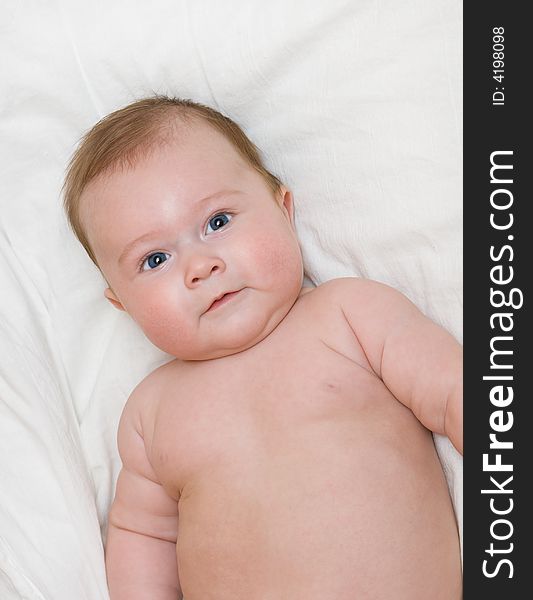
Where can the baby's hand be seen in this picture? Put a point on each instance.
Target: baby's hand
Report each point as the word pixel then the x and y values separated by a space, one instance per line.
pixel 420 362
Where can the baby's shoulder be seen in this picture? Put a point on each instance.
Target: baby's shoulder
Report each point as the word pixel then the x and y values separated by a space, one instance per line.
pixel 142 402
pixel 359 302
pixel 352 290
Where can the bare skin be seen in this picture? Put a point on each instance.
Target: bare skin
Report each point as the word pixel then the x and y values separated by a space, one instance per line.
pixel 296 473
pixel 286 453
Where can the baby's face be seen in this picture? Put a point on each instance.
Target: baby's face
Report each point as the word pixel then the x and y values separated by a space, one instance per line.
pixel 187 225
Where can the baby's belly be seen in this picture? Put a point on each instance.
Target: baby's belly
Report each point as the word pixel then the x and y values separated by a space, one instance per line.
pixel 350 506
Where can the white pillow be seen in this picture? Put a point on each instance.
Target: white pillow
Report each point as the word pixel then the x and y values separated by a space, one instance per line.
pixel 356 106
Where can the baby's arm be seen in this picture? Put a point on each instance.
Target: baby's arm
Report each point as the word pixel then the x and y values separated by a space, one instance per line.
pixel 143 524
pixel 418 361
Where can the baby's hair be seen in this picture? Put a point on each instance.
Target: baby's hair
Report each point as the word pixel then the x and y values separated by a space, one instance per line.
pixel 127 135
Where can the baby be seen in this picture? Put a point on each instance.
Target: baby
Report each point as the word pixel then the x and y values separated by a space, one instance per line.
pixel 286 453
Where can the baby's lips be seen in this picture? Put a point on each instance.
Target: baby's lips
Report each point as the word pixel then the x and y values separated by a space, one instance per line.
pixel 220 298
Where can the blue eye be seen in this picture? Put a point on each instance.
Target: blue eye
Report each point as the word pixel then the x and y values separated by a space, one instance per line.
pixel 152 261
pixel 218 221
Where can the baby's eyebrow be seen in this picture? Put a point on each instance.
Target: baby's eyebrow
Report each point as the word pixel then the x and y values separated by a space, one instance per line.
pixel 129 247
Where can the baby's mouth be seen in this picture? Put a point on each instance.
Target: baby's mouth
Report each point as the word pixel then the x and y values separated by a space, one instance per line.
pixel 222 300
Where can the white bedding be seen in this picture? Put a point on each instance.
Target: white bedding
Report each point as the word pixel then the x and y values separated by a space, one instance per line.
pixel 357 106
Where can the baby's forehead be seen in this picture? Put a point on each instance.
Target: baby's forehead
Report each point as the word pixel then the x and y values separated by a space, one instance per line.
pixel 198 141
pixel 195 145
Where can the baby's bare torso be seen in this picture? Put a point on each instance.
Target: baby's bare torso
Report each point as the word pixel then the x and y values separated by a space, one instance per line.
pixel 298 474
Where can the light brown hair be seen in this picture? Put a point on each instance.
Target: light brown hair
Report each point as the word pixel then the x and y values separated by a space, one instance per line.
pixel 123 137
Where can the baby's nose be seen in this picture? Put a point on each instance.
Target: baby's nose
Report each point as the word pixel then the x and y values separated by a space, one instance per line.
pixel 201 267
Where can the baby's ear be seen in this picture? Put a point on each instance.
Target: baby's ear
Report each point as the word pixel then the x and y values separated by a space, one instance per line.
pixel 286 203
pixel 110 295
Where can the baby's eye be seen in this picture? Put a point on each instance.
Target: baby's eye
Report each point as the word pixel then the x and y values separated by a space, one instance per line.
pixel 154 260
pixel 218 221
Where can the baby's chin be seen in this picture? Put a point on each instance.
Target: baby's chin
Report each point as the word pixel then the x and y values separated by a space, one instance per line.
pixel 234 344
pixel 231 328
pixel 228 340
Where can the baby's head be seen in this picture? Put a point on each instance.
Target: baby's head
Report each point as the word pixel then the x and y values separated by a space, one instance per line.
pixel 172 203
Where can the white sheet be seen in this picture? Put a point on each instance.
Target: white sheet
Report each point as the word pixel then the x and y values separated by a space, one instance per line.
pixel 356 105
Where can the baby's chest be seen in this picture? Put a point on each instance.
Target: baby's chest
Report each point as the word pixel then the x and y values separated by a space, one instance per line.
pixel 227 417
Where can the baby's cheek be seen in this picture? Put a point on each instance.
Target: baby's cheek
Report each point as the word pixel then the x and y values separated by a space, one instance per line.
pixel 161 324
pixel 280 258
